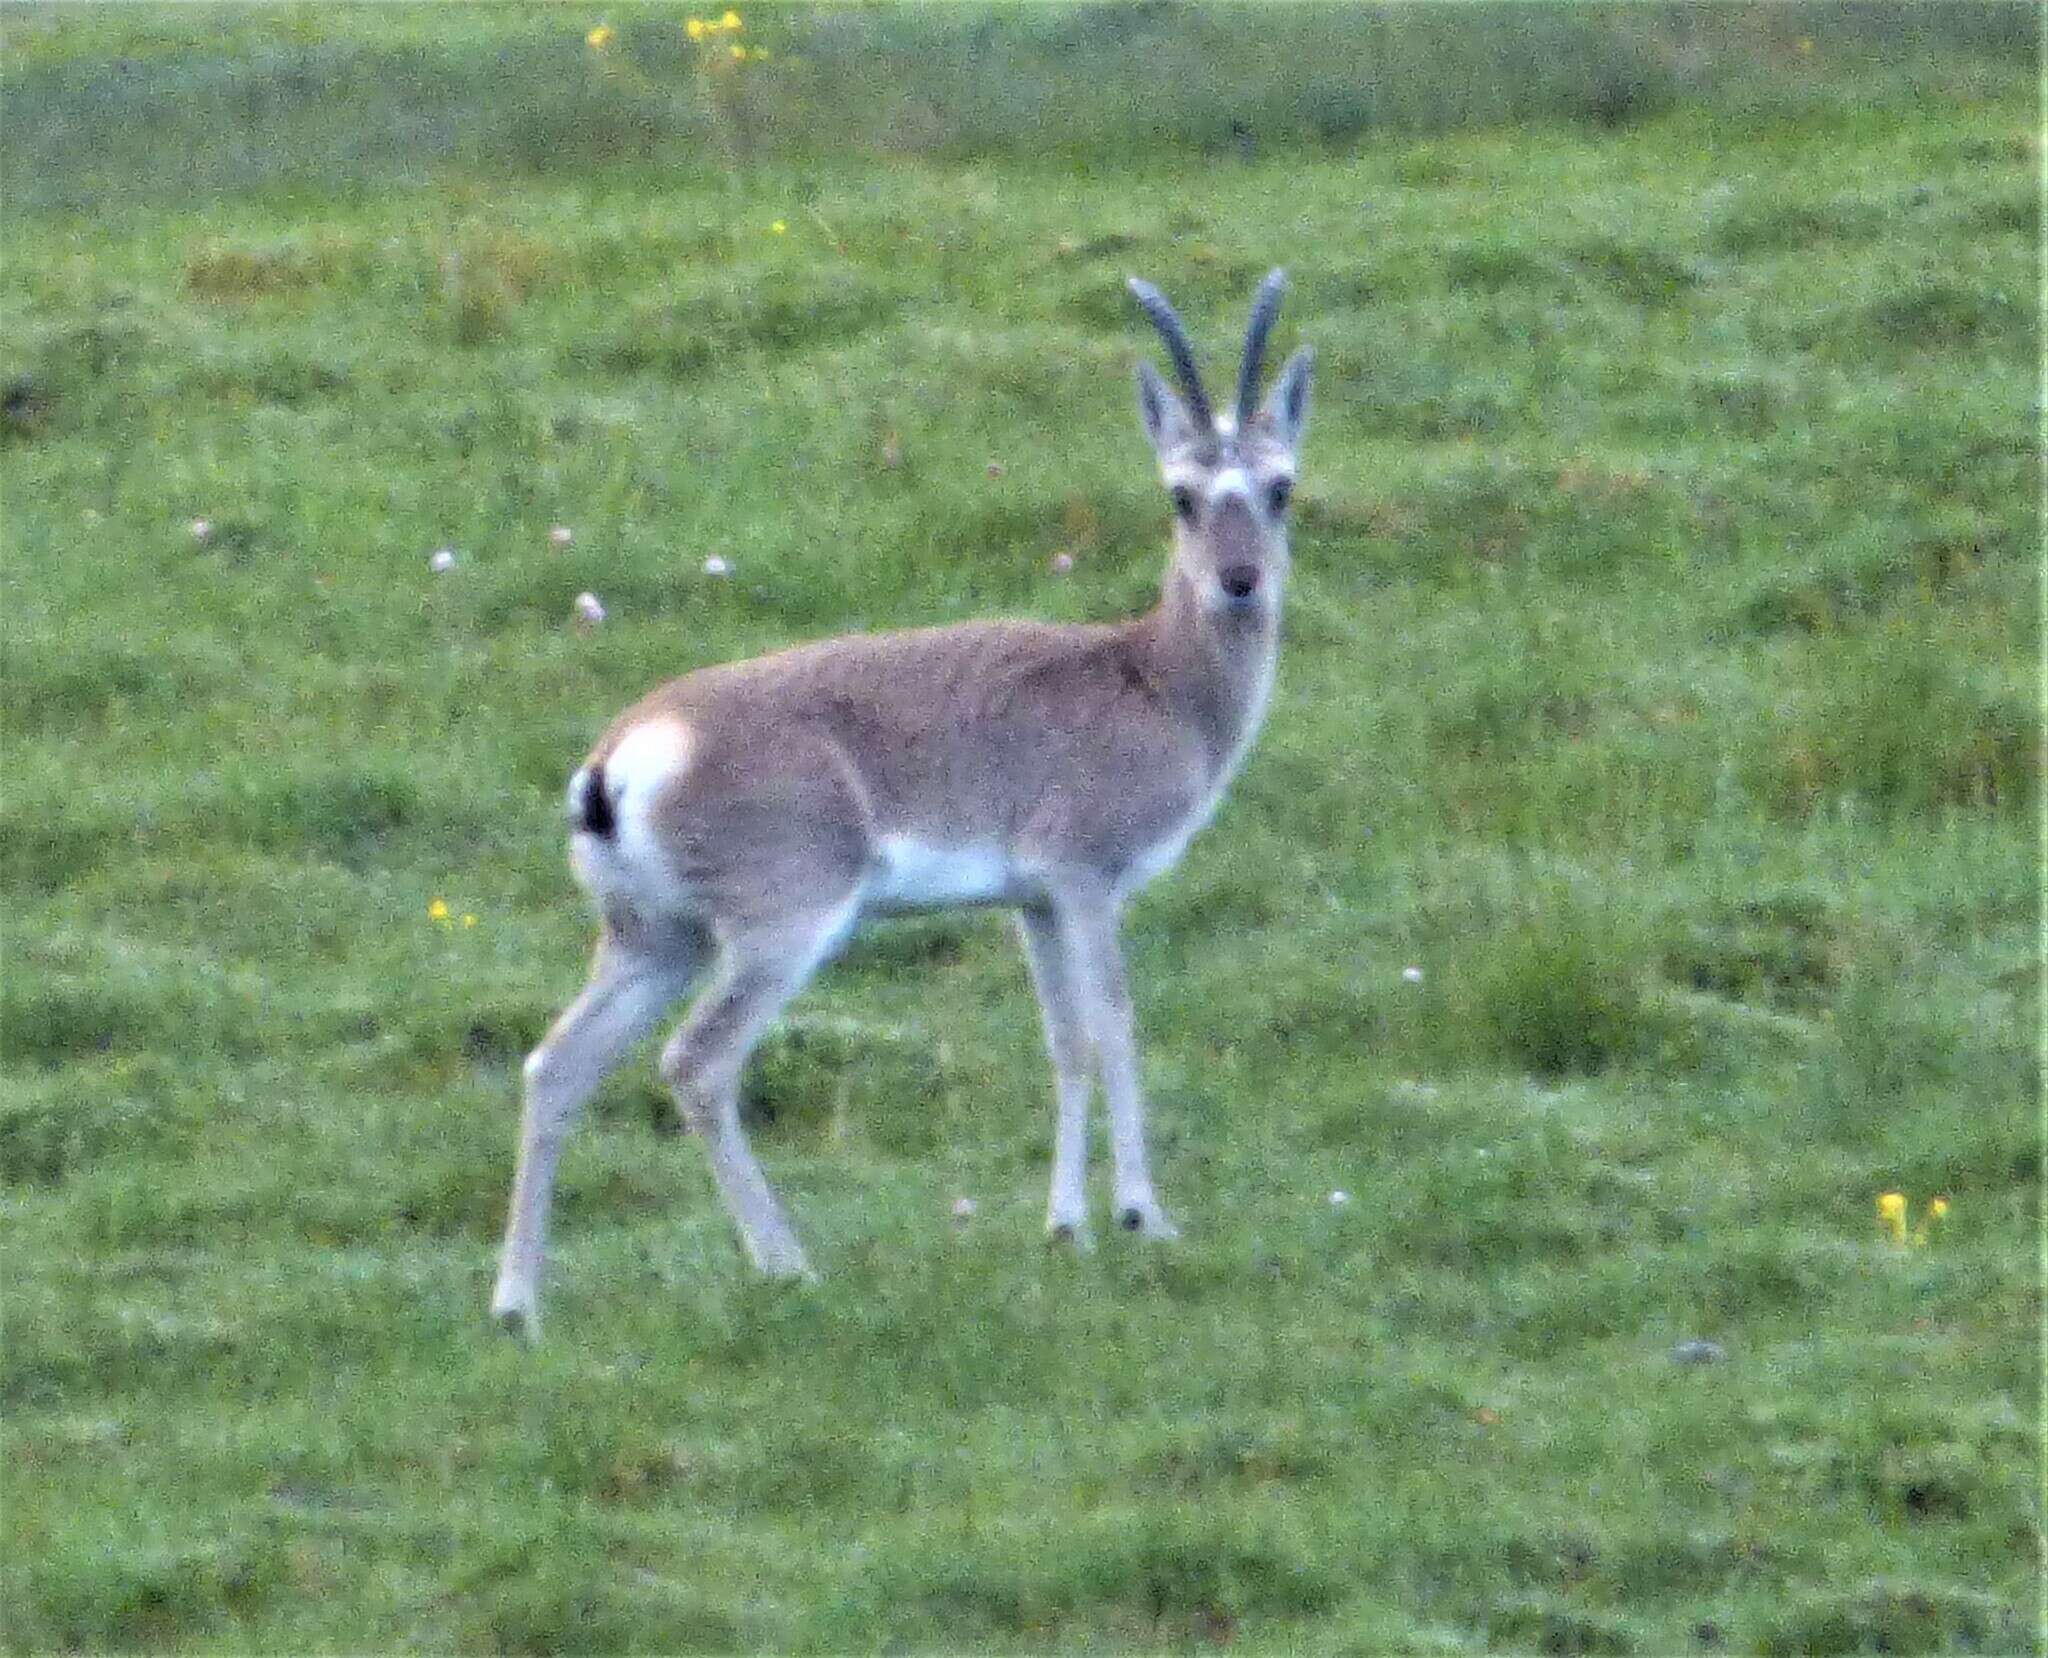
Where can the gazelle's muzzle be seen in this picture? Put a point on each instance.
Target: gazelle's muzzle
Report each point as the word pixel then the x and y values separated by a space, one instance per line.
pixel 1242 564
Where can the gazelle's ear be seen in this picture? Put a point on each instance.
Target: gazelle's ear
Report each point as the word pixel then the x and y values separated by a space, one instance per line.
pixel 1167 421
pixel 1285 411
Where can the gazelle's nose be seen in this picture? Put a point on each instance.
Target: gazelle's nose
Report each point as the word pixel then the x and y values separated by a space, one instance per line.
pixel 1239 581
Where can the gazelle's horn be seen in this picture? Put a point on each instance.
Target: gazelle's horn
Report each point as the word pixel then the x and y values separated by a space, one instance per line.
pixel 1177 347
pixel 1265 307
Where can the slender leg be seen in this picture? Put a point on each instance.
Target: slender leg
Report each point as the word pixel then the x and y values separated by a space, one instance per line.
pixel 628 992
pixel 758 973
pixel 1066 1042
pixel 1087 929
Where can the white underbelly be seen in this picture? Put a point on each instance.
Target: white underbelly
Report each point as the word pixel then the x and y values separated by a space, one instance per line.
pixel 911 874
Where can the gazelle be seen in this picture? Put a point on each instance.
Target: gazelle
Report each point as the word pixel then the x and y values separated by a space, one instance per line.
pixel 742 820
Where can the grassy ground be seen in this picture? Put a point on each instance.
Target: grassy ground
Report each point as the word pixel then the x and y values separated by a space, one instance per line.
pixel 1661 683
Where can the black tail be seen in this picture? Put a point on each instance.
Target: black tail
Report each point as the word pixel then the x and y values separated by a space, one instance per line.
pixel 593 812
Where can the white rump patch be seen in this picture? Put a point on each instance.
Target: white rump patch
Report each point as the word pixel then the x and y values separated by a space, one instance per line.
pixel 916 875
pixel 645 758
pixel 631 864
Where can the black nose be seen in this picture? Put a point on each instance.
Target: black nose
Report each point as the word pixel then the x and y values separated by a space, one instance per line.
pixel 1240 581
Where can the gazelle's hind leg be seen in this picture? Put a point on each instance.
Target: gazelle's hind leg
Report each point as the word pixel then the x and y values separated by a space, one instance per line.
pixel 632 984
pixel 760 969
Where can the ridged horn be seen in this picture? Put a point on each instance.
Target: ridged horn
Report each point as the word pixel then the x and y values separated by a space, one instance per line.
pixel 1177 347
pixel 1265 307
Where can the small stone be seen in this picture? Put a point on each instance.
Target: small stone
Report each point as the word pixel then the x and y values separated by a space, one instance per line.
pixel 1412 975
pixel 995 469
pixel 588 611
pixel 1697 1351
pixel 1339 1198
pixel 202 529
pixel 442 562
pixel 1062 564
pixel 560 536
pixel 716 566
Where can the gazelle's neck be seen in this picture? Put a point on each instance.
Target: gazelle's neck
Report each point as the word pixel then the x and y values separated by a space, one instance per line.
pixel 1215 668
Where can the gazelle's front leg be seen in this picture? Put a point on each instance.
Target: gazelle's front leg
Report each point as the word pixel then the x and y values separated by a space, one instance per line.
pixel 1067 1044
pixel 1087 924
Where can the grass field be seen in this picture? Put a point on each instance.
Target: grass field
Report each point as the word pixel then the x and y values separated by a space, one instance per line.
pixel 1661 681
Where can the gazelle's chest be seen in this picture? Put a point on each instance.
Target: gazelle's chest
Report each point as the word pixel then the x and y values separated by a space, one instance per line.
pixel 1165 848
pixel 1155 860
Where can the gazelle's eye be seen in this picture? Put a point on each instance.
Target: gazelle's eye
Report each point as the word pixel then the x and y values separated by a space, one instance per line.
pixel 1278 493
pixel 1184 503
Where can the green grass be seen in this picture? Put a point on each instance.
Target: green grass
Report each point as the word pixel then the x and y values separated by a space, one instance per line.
pixel 1662 681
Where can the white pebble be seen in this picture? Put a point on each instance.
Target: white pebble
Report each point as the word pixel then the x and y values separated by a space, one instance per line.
pixel 443 561
pixel 716 566
pixel 588 611
pixel 202 528
pixel 1339 1198
pixel 561 535
pixel 1412 974
pixel 963 1208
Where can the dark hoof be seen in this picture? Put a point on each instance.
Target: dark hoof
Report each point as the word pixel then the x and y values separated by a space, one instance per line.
pixel 1131 1220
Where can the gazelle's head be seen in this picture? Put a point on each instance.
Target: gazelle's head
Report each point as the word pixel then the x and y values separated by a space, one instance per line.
pixel 1229 475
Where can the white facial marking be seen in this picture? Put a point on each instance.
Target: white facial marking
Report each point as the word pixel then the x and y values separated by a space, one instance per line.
pixel 1232 480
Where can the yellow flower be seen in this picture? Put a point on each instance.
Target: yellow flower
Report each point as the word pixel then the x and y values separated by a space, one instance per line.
pixel 1891 1215
pixel 600 37
pixel 694 28
pixel 1935 1210
pixel 469 921
pixel 438 910
pixel 739 52
pixel 731 20
pixel 780 227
